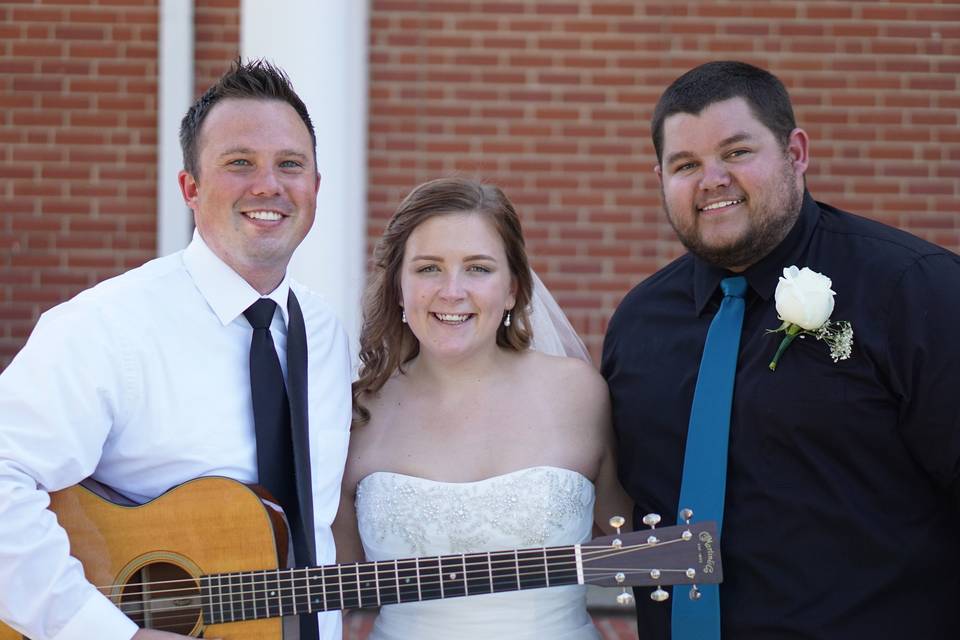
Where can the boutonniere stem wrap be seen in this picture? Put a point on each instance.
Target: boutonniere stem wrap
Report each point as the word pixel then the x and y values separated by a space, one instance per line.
pixel 804 300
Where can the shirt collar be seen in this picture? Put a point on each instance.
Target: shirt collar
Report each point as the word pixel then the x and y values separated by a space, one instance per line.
pixel 765 274
pixel 227 293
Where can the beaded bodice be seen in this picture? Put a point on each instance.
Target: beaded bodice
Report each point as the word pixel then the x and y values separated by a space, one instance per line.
pixel 409 516
pixel 402 516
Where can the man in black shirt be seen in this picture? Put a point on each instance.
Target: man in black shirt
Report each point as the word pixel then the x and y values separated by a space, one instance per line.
pixel 842 513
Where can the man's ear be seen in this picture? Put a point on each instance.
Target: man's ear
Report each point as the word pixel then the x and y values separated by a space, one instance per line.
pixel 798 149
pixel 189 188
pixel 657 170
pixel 316 187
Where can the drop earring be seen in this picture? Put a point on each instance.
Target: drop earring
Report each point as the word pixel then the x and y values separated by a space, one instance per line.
pixel 506 321
pixel 403 316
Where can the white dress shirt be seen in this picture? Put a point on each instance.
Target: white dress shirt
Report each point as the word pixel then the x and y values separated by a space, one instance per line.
pixel 142 382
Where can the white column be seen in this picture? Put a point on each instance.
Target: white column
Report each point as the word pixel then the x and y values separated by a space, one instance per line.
pixel 174 219
pixel 322 45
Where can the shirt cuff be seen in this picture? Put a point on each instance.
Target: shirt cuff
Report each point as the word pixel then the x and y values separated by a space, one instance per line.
pixel 98 618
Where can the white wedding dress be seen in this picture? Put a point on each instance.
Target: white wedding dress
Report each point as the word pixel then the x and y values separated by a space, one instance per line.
pixel 402 516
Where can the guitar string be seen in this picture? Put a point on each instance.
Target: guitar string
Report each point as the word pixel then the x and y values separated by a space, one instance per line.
pixel 264 606
pixel 368 572
pixel 294 601
pixel 498 558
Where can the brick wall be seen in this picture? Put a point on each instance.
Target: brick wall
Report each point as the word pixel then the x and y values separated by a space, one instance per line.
pixel 78 156
pixel 216 40
pixel 77 151
pixel 552 100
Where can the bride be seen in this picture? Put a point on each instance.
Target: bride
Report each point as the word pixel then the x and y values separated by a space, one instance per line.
pixel 465 439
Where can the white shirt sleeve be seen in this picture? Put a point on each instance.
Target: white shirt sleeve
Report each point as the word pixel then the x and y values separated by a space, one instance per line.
pixel 56 401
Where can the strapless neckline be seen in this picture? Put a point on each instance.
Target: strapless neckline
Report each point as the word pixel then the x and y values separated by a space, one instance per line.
pixel 502 476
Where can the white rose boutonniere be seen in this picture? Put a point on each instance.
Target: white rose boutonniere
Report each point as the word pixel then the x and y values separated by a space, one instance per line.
pixel 804 304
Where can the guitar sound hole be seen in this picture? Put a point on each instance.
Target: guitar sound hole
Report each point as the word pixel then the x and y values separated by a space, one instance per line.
pixel 162 596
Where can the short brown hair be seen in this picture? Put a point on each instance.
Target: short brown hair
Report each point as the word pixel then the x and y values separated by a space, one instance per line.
pixel 722 80
pixel 255 80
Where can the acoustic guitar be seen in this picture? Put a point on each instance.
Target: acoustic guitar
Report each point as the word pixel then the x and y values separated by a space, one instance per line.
pixel 206 558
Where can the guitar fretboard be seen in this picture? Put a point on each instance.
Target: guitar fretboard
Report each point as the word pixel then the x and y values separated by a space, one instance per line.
pixel 233 597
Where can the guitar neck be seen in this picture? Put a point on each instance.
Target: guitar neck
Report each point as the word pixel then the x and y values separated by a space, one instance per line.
pixel 232 597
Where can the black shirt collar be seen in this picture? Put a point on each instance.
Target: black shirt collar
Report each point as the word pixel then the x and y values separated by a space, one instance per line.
pixel 764 275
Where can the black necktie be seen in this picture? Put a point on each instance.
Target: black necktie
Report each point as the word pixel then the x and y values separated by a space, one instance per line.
pixel 283 454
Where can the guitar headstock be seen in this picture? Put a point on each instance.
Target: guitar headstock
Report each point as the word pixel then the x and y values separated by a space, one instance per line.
pixel 685 554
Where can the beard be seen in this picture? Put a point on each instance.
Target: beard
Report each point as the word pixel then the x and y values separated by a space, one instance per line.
pixel 772 216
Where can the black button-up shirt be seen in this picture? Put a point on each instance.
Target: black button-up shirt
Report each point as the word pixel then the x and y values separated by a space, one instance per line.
pixel 842 516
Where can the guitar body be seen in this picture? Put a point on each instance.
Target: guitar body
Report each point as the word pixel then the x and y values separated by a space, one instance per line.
pixel 207 525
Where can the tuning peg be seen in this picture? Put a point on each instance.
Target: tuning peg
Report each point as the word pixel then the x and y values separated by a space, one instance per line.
pixel 652 520
pixel 658 595
pixel 695 593
pixel 624 598
pixel 686 515
pixel 616 522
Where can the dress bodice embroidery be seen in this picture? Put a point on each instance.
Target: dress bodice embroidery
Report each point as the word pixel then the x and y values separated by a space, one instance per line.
pixel 403 516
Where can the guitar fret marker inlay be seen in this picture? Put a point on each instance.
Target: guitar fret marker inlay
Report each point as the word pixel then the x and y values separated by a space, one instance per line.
pixel 516 562
pixel 396 572
pixel 419 593
pixel 440 573
pixel 546 568
pixel 490 570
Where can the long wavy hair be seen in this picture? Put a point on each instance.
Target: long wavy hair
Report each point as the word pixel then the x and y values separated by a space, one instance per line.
pixel 386 343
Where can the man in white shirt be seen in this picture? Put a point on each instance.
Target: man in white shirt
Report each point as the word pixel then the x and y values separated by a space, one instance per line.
pixel 143 381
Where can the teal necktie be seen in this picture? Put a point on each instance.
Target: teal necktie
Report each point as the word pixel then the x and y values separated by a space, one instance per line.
pixel 705 460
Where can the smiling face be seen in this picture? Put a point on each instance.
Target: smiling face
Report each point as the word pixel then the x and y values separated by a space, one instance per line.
pixel 456 284
pixel 730 190
pixel 255 194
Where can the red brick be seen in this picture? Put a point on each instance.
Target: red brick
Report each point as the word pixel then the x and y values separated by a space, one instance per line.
pixel 666 9
pixel 894 47
pixel 854 29
pixel 38 154
pixel 94 85
pixel 76 32
pixel 96 119
pixel 105 50
pixel 944 118
pixel 37 14
pixel 529 26
pixel 492 6
pixel 72 136
pixel 16 171
pixel 802 29
pixel 938 83
pixel 829 12
pixel 931 187
pixel 784 12
pixel 38 49
pixel 504 42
